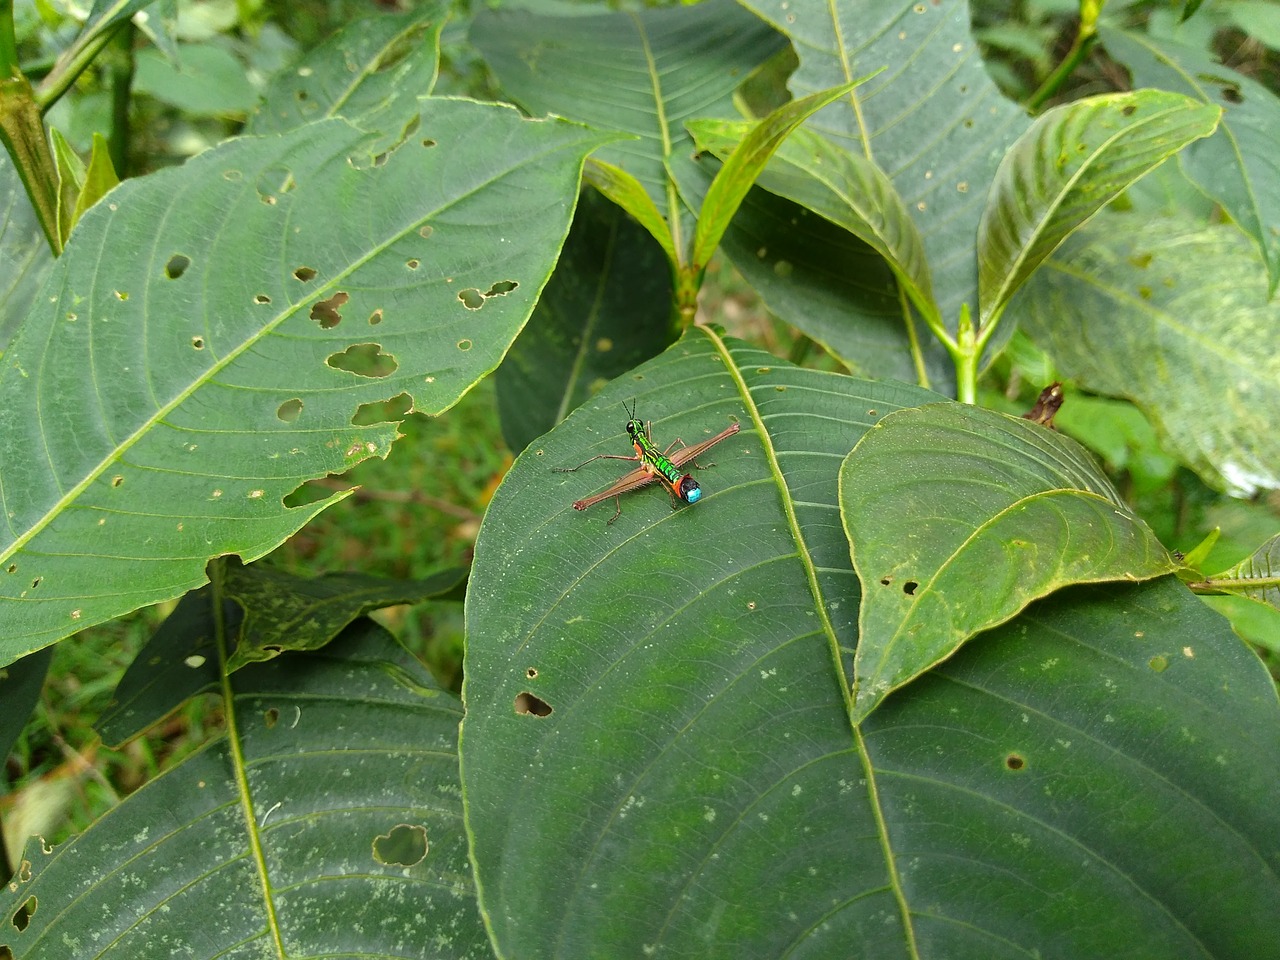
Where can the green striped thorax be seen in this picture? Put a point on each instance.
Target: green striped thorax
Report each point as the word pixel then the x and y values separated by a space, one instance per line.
pixel 655 461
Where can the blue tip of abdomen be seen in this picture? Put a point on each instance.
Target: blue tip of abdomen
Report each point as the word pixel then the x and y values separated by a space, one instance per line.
pixel 694 495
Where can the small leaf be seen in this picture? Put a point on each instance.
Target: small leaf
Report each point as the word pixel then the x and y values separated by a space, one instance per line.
pixel 20 686
pixel 1073 161
pixel 958 518
pixel 71 174
pixel 745 162
pixel 1256 576
pixel 337 755
pixel 843 187
pixel 100 178
pixel 629 194
pixel 1237 165
pixel 285 612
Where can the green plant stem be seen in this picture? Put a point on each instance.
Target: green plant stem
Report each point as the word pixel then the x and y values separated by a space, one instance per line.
pixel 73 62
pixel 965 351
pixel 8 42
pixel 1086 37
pixel 122 66
pixel 23 133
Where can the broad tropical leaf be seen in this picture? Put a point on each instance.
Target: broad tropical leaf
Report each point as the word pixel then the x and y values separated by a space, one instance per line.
pixel 1239 166
pixel 958 518
pixel 1074 160
pixel 209 338
pixel 658 724
pixel 606 309
pixel 337 785
pixel 1175 317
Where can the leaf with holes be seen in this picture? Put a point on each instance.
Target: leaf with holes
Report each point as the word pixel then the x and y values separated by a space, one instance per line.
pixel 658 720
pixel 1174 316
pixel 1074 160
pixel 286 612
pixel 157 410
pixel 1237 165
pixel 266 842
pixel 959 517
pixel 606 309
pixel 371 72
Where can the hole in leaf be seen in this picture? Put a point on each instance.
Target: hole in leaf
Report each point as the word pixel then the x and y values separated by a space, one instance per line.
pixel 502 288
pixel 1129 109
pixel 12 568
pixel 375 318
pixel 364 360
pixel 885 581
pixel 197 342
pixel 393 410
pixel 909 588
pixel 413 263
pixel 428 142
pixel 117 480
pixel 424 231
pixel 261 299
pixel 313 491
pixel 471 298
pixel 289 410
pixel 271 716
pixel 531 673
pixel 1014 762
pixel 22 916
pixel 176 266
pixel 529 705
pixel 304 274
pixel 36 582
pixel 403 846
pixel 464 345
pixel 326 311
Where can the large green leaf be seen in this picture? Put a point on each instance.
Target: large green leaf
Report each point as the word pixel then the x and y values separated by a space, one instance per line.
pixel 1238 166
pixel 327 823
pixel 208 340
pixel 933 121
pixel 606 309
pixel 20 685
pixel 1074 160
pixel 958 518
pixel 641 73
pixel 1175 317
pixel 657 754
pixel 372 72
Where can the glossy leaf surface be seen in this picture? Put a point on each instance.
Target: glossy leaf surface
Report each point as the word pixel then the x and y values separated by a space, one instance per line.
pixel 156 410
pixel 658 727
pixel 958 518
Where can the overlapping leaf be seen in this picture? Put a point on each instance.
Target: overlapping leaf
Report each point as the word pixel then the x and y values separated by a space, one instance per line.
pixel 372 72
pixel 208 340
pixel 1175 317
pixel 1074 160
pixel 25 256
pixel 340 787
pixel 606 309
pixel 658 722
pixel 1239 166
pixel 1257 576
pixel 640 73
pixel 933 122
pixel 958 518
